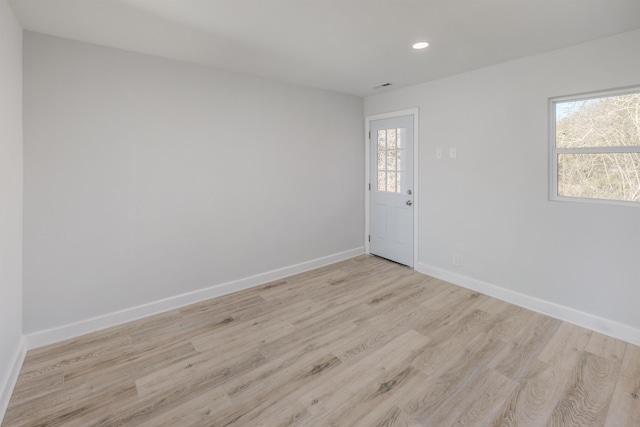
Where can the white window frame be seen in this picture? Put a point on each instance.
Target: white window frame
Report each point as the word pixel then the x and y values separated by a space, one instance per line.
pixel 554 151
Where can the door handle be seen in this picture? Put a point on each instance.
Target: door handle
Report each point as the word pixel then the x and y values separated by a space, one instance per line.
pixel 409 203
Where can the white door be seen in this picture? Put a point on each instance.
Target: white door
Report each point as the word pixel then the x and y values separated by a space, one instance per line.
pixel 391 209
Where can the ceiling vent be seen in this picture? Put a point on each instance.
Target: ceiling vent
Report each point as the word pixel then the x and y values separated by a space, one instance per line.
pixel 383 85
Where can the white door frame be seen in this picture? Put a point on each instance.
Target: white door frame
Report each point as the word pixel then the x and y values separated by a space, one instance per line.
pixel 367 170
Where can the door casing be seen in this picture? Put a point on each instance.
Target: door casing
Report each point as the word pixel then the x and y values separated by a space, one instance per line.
pixel 416 193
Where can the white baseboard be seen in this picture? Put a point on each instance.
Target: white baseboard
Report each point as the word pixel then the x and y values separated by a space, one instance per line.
pixel 9 380
pixel 605 326
pixel 73 330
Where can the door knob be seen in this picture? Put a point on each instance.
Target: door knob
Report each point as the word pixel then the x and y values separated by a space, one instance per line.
pixel 409 203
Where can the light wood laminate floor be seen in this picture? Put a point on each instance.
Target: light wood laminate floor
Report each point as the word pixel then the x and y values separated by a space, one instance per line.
pixel 364 342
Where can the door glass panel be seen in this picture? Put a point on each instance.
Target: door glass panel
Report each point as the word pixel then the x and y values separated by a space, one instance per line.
pixel 391 139
pixel 391 182
pixel 382 181
pixel 381 160
pixel 381 140
pixel 391 159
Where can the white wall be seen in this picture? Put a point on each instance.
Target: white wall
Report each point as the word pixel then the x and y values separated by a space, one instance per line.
pixel 147 178
pixel 10 199
pixel 491 205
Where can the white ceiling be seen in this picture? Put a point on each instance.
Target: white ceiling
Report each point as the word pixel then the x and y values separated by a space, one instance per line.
pixel 347 46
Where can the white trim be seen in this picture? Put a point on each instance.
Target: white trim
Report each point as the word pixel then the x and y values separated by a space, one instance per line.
pixel 416 185
pixel 367 182
pixel 595 94
pixel 9 381
pixel 598 150
pixel 555 198
pixel 604 326
pixel 367 170
pixel 72 330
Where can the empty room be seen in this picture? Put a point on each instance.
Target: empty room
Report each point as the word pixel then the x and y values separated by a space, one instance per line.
pixel 319 213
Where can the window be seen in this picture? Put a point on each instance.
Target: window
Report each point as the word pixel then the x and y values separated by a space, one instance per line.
pixel 595 147
pixel 392 153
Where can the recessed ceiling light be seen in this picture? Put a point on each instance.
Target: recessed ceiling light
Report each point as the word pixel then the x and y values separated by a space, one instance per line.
pixel 420 45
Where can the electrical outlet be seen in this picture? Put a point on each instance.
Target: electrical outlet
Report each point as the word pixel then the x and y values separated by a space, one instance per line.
pixel 453 153
pixel 456 259
pixel 438 153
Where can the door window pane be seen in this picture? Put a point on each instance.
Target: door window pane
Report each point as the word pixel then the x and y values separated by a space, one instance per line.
pixel 382 160
pixel 382 181
pixel 391 182
pixel 390 159
pixel 381 140
pixel 391 139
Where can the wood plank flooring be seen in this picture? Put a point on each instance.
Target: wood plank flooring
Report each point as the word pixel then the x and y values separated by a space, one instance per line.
pixel 364 342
